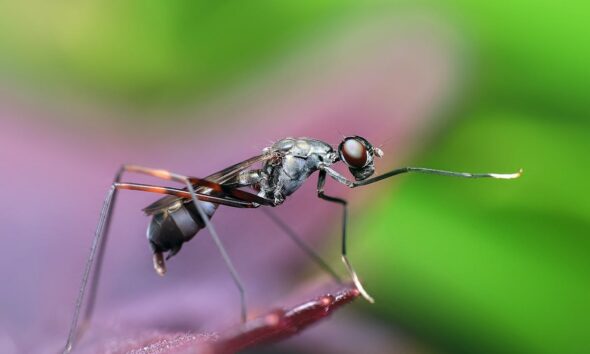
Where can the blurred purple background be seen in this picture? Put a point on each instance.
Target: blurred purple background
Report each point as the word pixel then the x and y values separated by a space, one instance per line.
pixel 58 159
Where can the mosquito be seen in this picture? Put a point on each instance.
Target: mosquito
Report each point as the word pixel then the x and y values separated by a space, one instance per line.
pixel 285 166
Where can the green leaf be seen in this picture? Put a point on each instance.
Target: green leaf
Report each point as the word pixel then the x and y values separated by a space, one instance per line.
pixel 487 266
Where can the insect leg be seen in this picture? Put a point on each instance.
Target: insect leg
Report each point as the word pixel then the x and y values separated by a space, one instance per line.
pixel 340 178
pixel 224 255
pixel 302 245
pixel 187 195
pixel 199 183
pixel 97 252
pixel 189 181
pixel 103 224
pixel 349 268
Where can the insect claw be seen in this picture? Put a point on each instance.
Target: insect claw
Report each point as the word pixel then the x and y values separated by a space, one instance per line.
pixel 362 290
pixel 159 264
pixel 508 175
pixel 356 281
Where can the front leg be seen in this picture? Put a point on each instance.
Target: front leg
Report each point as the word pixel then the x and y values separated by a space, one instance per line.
pixel 323 170
pixel 352 184
pixel 274 192
pixel 278 196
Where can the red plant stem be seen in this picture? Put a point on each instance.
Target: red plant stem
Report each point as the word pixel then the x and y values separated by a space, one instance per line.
pixel 280 324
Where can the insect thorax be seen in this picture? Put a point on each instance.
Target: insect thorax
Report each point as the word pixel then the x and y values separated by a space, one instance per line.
pixel 298 159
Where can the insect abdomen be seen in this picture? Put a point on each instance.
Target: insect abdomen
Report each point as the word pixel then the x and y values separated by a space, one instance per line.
pixel 172 227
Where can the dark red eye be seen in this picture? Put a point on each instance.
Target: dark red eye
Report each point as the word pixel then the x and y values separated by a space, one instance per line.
pixel 354 153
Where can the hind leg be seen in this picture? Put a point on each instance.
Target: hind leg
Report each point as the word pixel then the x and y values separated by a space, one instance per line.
pixel 97 251
pixel 189 181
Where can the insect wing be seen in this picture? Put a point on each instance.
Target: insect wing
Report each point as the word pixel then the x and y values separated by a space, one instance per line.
pixel 230 173
pixel 226 175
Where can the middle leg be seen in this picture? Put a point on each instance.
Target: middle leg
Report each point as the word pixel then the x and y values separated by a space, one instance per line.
pixel 349 268
pixel 302 245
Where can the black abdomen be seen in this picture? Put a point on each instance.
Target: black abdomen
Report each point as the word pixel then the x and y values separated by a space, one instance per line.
pixel 175 225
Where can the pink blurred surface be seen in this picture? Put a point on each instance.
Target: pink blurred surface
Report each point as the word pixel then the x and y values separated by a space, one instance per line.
pixel 54 178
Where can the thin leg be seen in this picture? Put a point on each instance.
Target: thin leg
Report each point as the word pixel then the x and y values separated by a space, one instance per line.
pixel 182 193
pixel 438 172
pixel 101 233
pixel 349 268
pixel 97 250
pixel 200 183
pixel 100 238
pixel 340 178
pixel 159 264
pixel 234 273
pixel 302 245
pixel 105 214
pixel 188 181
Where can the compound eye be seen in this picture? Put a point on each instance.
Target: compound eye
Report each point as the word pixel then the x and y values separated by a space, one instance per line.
pixel 354 153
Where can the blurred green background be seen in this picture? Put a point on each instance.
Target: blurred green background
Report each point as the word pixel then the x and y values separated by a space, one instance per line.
pixel 464 267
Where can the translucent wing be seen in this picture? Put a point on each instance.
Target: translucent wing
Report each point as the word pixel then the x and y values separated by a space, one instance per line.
pixel 228 174
pixel 225 176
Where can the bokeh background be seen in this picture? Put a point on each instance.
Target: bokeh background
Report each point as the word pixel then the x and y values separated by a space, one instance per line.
pixel 456 266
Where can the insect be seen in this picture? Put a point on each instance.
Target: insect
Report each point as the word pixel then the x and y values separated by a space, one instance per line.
pixel 285 166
